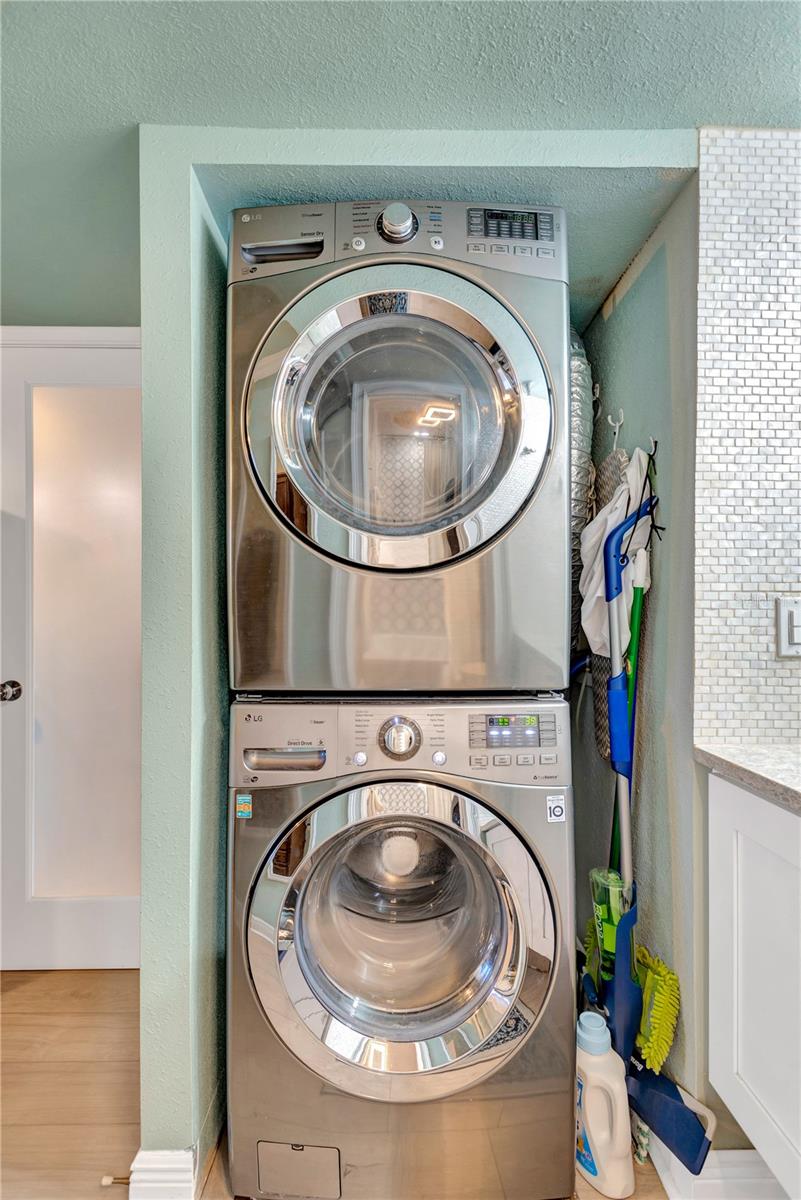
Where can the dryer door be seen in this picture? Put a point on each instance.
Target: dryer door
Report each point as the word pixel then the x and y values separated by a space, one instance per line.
pixel 398 417
pixel 392 951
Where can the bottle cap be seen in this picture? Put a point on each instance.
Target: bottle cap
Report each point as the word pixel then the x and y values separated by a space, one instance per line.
pixel 592 1034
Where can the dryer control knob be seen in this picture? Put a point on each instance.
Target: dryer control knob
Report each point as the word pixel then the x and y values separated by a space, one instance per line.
pixel 397 223
pixel 399 737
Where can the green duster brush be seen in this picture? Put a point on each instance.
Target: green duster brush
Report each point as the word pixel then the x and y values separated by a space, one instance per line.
pixel 660 1008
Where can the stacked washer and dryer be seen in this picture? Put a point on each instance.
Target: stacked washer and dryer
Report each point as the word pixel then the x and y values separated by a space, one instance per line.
pixel 401 1016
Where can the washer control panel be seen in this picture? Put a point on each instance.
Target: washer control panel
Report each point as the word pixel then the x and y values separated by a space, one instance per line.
pixel 530 242
pixel 275 239
pixel 517 741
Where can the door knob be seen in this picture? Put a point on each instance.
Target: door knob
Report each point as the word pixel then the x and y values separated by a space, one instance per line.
pixel 10 690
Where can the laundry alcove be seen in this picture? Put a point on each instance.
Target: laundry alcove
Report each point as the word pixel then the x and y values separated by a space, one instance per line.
pixel 618 188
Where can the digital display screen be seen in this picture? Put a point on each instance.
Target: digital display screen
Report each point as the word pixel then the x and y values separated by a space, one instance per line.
pixel 522 218
pixel 511 731
pixel 524 721
pixel 510 225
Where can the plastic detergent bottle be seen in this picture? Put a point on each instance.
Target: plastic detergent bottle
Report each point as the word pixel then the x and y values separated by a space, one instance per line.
pixel 603 1128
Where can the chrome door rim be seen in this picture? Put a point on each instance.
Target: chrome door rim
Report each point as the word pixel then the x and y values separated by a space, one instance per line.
pixel 376 1067
pixel 275 454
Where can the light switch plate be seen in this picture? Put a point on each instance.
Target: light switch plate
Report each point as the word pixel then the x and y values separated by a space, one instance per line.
pixel 788 626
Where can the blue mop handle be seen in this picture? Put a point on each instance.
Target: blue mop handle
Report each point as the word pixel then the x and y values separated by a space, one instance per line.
pixel 621 729
pixel 615 562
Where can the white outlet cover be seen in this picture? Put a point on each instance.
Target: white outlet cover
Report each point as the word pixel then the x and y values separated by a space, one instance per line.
pixel 788 626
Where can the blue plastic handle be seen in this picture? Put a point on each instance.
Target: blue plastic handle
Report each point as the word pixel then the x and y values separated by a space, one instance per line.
pixel 622 995
pixel 615 562
pixel 620 729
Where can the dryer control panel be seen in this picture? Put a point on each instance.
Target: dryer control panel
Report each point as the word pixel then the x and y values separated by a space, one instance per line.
pixel 523 240
pixel 516 741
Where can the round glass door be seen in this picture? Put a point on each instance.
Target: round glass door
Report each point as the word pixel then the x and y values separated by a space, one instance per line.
pixel 398 428
pixel 388 943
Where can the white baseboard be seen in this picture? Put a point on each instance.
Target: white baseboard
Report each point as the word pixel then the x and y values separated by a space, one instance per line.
pixel 163 1175
pixel 727 1175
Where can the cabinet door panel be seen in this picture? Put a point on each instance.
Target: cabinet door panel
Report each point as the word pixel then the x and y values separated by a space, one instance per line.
pixel 755 971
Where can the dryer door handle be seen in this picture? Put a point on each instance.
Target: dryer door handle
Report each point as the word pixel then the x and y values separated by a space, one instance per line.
pixel 284 758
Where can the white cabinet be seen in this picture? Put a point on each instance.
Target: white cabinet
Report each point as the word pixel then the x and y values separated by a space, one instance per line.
pixel 755 971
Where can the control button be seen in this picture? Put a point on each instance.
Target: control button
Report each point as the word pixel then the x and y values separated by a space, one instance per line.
pixel 437 243
pixel 526 251
pixel 399 737
pixel 358 243
pixel 478 760
pixel 545 252
pixel 548 758
pixel 502 760
pixel 359 758
pixel 439 758
pixel 500 249
pixel 525 760
pixel 476 248
pixel 397 223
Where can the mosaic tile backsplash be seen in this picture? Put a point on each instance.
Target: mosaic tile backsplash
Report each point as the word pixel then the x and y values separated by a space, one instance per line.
pixel 748 468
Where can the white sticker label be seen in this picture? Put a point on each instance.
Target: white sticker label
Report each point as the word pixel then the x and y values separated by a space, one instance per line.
pixel 556 808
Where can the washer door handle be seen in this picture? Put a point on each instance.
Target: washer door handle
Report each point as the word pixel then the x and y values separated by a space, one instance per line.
pixel 284 758
pixel 11 689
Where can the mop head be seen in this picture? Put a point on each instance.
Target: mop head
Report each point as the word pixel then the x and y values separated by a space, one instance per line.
pixel 660 1009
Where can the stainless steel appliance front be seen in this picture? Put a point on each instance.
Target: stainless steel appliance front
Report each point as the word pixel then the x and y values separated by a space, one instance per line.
pixel 400 960
pixel 397 461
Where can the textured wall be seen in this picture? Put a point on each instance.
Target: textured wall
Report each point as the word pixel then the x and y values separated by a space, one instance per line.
pixel 642 350
pixel 748 511
pixel 78 78
pixel 184 668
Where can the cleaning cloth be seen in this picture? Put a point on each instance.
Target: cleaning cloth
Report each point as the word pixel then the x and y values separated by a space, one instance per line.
pixel 634 488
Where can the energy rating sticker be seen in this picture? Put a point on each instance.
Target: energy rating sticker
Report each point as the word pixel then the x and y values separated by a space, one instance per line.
pixel 244 805
pixel 556 808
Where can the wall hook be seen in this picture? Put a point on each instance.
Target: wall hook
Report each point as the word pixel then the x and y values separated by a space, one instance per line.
pixel 616 425
pixel 653 446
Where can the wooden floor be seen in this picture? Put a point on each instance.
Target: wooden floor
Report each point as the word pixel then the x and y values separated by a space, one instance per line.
pixel 70 1082
pixel 69 1067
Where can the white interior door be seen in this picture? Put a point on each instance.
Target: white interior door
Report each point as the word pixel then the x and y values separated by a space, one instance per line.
pixel 71 634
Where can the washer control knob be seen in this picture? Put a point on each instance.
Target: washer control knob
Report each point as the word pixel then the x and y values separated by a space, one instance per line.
pixel 439 758
pixel 359 758
pixel 399 737
pixel 397 223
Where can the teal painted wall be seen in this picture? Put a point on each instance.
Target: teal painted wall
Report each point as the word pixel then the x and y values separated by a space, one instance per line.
pixel 184 666
pixel 210 677
pixel 77 79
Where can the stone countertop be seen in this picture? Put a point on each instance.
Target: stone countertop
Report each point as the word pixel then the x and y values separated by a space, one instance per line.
pixel 771 768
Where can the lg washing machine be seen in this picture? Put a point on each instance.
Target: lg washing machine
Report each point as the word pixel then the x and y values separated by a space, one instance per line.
pixel 401 1010
pixel 398 482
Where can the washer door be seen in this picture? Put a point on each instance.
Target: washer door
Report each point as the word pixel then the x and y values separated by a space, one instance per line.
pixel 398 417
pixel 392 951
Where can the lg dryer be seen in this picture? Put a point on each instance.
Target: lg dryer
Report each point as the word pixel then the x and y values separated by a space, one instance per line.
pixel 401 1017
pixel 398 492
